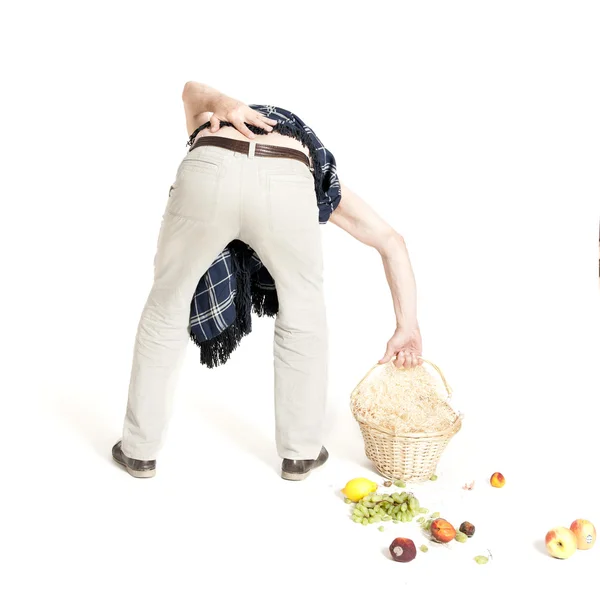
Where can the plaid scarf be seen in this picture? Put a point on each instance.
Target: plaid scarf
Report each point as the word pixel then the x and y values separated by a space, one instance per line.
pixel 237 282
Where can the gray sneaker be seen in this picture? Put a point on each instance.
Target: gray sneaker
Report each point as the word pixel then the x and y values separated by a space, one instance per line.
pixel 296 470
pixel 135 467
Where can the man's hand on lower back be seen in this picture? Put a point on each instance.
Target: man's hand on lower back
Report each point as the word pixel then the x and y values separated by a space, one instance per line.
pixel 238 114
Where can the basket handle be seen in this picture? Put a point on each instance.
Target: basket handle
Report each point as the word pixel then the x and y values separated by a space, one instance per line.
pixel 446 385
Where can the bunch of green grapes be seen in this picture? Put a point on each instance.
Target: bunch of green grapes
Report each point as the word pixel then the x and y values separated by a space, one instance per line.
pixel 397 507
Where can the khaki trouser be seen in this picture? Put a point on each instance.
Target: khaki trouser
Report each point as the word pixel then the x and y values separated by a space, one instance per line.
pixel 269 203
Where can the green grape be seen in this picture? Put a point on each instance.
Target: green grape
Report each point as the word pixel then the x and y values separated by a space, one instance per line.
pixel 399 483
pixel 357 519
pixel 386 518
pixel 435 515
pixel 372 512
pixel 357 513
pixel 411 503
pixel 347 501
pixel 423 548
pixel 396 522
pixel 403 507
pixel 461 537
pixel 423 510
pixel 371 519
pixel 377 498
pixel 420 519
pixel 481 560
pixel 365 521
pixel 376 519
pixel 390 510
pixel 382 528
pixel 433 477
pixel 403 497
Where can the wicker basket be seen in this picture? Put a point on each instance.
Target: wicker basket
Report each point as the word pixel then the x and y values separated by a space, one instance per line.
pixel 409 456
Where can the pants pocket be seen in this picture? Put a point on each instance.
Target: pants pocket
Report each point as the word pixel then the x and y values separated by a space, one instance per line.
pixel 194 194
pixel 291 202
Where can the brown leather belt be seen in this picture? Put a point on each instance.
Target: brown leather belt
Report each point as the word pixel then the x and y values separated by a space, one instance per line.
pixel 244 147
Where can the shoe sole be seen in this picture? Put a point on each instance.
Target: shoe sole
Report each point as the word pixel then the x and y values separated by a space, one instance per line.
pixel 139 474
pixel 299 476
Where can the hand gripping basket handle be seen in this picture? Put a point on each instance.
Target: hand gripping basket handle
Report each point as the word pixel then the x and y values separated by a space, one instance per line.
pixel 448 388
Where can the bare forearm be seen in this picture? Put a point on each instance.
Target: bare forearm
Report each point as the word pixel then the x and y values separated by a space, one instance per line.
pixel 401 279
pixel 361 221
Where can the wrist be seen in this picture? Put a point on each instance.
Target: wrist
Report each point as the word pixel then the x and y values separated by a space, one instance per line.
pixel 407 324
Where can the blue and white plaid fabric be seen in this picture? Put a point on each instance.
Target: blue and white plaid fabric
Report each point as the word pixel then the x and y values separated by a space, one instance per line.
pixel 237 282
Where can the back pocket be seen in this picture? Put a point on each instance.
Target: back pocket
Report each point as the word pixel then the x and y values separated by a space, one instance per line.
pixel 291 202
pixel 194 194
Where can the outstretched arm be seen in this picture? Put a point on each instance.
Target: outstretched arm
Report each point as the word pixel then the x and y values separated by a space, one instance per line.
pixel 361 221
pixel 203 103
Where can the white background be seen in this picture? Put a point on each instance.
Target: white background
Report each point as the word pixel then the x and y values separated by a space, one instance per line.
pixel 472 127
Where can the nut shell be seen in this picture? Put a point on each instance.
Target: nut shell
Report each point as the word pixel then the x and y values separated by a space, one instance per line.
pixel 467 528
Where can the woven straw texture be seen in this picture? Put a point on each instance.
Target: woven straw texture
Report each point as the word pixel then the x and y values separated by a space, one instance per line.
pixel 407 426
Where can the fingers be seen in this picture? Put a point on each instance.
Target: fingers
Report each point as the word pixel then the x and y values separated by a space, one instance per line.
pixel 263 122
pixel 266 119
pixel 407 360
pixel 388 354
pixel 412 360
pixel 241 126
pixel 259 123
pixel 400 360
pixel 215 123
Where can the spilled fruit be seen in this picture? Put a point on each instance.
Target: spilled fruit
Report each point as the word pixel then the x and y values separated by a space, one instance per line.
pixel 442 530
pixel 585 532
pixel 403 550
pixel 561 542
pixel 399 507
pixel 359 488
pixel 467 528
pixel 497 480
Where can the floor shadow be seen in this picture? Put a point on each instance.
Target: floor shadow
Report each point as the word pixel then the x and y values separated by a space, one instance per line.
pixel 240 431
pixel 93 426
pixel 540 546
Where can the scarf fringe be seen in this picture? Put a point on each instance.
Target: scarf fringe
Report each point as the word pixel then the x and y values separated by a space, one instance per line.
pixel 216 351
pixel 265 302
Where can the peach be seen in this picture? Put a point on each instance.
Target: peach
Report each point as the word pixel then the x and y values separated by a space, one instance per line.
pixel 585 532
pixel 497 480
pixel 403 550
pixel 442 530
pixel 561 542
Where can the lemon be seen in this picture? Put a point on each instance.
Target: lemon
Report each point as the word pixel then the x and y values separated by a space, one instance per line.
pixel 358 488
